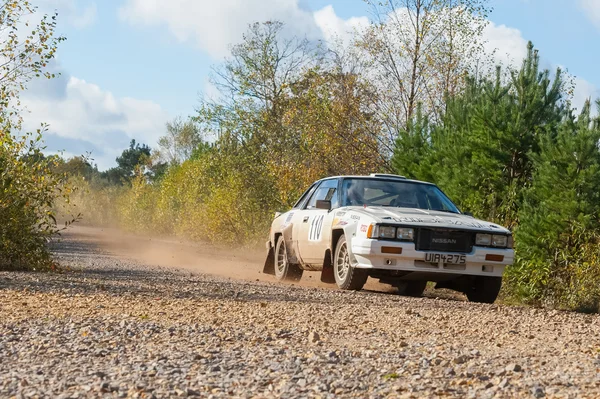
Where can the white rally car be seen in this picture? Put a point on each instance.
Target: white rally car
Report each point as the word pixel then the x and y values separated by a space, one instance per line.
pixel 400 231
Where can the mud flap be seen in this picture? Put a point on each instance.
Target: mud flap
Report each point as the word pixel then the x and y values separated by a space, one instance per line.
pixel 269 267
pixel 327 276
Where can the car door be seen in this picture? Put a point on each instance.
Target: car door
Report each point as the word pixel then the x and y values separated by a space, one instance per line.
pixel 314 233
pixel 294 218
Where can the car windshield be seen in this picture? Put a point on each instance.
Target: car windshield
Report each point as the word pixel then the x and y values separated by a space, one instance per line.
pixel 395 193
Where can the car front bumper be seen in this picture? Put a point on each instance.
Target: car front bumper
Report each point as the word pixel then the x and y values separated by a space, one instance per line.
pixel 368 255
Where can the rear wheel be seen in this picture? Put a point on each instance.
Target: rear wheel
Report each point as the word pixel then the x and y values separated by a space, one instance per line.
pixel 284 270
pixel 347 277
pixel 411 288
pixel 484 289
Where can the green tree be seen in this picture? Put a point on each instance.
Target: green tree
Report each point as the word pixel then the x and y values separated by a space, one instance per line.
pixel 247 118
pixel 131 158
pixel 30 188
pixel 25 51
pixel 412 152
pixel 77 166
pixel 289 117
pixel 480 152
pixel 326 131
pixel 559 234
pixel 180 141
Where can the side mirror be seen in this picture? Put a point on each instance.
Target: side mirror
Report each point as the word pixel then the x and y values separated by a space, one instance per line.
pixel 323 204
pixel 468 214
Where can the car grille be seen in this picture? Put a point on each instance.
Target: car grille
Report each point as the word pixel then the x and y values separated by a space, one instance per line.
pixel 444 240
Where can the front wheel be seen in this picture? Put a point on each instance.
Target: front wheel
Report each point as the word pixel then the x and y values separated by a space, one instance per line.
pixel 347 277
pixel 484 289
pixel 284 270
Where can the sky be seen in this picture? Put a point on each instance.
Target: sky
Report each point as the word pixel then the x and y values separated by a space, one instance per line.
pixel 129 66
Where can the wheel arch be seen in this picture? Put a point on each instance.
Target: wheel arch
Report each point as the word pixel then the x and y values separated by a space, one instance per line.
pixel 335 237
pixel 349 231
pixel 269 266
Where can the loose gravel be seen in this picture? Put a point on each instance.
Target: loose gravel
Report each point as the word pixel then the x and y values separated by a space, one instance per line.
pixel 111 327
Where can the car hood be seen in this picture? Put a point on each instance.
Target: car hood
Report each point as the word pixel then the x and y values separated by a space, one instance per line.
pixel 426 218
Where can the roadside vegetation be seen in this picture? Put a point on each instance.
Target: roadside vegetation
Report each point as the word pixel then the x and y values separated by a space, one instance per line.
pixel 414 94
pixel 30 190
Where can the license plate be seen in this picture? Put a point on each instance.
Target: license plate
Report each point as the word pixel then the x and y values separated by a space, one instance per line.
pixel 446 258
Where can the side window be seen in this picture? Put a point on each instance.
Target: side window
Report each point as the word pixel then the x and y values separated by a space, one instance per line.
pixel 326 191
pixel 300 203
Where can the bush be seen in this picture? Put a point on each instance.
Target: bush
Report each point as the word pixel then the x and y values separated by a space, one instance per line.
pixel 29 192
pixel 137 205
pixel 210 199
pixel 94 204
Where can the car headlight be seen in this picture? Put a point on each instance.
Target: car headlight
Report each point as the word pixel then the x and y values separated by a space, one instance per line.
pixel 495 240
pixel 499 241
pixel 406 234
pixel 484 240
pixel 387 232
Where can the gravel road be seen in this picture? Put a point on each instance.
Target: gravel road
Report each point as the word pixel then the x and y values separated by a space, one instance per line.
pixel 118 327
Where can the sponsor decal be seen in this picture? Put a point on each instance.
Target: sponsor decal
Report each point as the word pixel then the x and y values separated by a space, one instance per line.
pixel 287 220
pixel 355 217
pixel 341 223
pixel 364 228
pixel 340 214
pixel 316 228
pixel 410 219
pixel 465 223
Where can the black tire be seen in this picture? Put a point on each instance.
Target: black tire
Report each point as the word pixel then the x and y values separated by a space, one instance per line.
pixel 347 277
pixel 284 270
pixel 411 288
pixel 484 289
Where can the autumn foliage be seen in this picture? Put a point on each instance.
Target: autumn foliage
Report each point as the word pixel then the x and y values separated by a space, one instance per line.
pixel 30 189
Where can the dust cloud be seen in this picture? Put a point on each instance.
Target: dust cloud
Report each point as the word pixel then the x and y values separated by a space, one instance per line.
pixel 234 263
pixel 239 264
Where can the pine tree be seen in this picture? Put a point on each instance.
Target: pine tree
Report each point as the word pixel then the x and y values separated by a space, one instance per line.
pixel 413 149
pixel 557 240
pixel 480 152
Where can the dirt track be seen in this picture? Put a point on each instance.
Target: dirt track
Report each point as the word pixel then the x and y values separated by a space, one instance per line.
pixel 245 264
pixel 140 317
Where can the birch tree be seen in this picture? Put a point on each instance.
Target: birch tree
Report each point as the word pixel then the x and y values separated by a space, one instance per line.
pixel 419 52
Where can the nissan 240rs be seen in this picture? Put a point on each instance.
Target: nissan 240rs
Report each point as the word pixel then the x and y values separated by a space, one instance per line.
pixel 400 231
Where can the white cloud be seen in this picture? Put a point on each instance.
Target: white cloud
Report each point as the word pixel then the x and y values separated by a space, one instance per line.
pixel 583 91
pixel 214 25
pixel 592 10
pixel 334 27
pixel 506 44
pixel 509 47
pixel 86 18
pixel 77 13
pixel 83 117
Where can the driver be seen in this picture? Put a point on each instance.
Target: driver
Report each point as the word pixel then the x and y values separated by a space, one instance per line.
pixel 354 194
pixel 407 197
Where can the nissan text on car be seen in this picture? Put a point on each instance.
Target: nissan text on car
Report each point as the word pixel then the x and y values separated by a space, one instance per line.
pixel 400 231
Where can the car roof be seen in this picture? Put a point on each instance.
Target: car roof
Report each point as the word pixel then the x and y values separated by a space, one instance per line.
pixel 378 176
